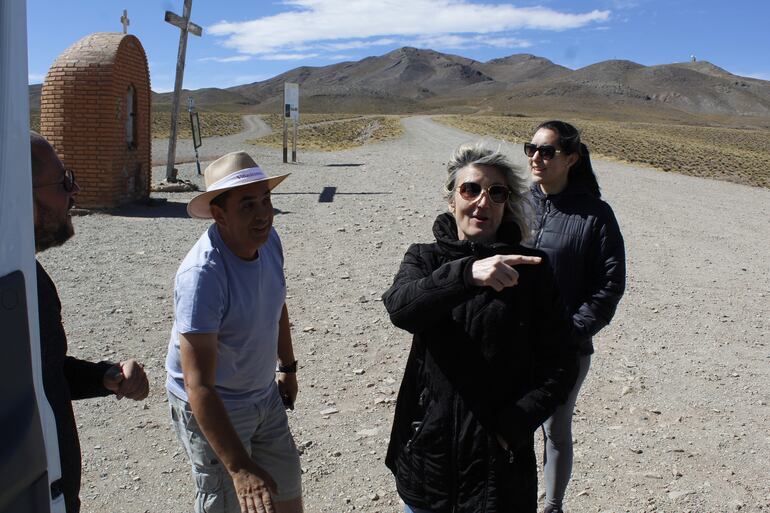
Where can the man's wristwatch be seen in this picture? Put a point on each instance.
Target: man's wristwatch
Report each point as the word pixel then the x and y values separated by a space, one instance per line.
pixel 289 369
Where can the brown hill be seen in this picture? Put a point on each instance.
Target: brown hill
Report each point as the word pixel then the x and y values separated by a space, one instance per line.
pixel 210 97
pixel 34 96
pixel 413 80
pixel 521 68
pixel 398 81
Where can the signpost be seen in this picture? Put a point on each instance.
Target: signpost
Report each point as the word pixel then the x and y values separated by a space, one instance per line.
pixel 195 126
pixel 290 111
pixel 185 25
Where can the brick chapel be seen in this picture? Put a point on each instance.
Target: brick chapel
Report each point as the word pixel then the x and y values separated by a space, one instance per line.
pixel 95 110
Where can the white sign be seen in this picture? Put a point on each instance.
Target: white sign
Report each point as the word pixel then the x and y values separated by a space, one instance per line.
pixel 291 101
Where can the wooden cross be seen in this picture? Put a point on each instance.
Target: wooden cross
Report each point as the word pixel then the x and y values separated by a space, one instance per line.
pixel 125 21
pixel 184 24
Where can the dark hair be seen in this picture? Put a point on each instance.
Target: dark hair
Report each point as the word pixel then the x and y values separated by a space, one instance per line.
pixel 220 200
pixel 581 171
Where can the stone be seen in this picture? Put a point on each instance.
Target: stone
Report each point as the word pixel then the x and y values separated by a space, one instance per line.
pixel 678 494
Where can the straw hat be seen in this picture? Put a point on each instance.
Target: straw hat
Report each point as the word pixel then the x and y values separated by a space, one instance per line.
pixel 228 172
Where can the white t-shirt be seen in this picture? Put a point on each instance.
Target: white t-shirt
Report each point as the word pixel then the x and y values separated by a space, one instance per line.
pixel 241 301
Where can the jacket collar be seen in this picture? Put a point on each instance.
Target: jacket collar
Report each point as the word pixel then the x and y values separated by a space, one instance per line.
pixel 572 189
pixel 445 231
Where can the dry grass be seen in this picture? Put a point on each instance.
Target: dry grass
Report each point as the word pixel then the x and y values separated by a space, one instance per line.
pixel 212 123
pixel 730 154
pixel 332 132
pixel 275 121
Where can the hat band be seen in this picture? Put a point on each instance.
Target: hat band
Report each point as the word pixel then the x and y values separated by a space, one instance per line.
pixel 251 174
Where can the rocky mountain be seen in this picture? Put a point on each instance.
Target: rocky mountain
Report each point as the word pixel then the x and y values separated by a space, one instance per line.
pixel 414 80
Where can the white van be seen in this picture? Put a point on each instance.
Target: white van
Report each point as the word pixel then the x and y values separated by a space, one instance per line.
pixel 29 455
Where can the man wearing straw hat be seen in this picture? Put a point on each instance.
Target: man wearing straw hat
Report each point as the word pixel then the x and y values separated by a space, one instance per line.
pixel 231 330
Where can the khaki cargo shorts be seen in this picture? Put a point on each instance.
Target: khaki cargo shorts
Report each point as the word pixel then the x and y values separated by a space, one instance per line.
pixel 264 431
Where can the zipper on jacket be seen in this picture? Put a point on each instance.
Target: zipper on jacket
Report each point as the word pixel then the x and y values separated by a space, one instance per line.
pixel 453 455
pixel 417 425
pixel 416 428
pixel 542 222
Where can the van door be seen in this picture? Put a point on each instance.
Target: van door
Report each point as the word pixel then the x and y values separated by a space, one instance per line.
pixel 29 455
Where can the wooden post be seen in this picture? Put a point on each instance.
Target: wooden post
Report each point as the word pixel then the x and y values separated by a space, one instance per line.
pixel 285 141
pixel 185 25
pixel 125 21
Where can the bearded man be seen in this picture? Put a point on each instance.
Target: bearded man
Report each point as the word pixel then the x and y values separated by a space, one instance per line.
pixel 65 377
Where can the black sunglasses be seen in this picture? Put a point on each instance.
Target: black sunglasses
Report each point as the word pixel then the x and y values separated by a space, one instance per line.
pixel 68 181
pixel 472 190
pixel 546 151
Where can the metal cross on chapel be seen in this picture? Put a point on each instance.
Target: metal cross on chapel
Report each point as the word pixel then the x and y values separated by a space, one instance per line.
pixel 125 21
pixel 185 25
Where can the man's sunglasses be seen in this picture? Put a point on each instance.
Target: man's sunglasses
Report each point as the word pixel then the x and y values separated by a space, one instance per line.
pixel 469 191
pixel 546 151
pixel 68 182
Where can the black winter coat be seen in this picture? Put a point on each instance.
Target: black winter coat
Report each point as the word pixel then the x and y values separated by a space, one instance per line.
pixel 482 364
pixel 581 237
pixel 64 378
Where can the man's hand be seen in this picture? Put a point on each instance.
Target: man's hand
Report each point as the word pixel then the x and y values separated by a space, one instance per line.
pixel 127 379
pixel 288 388
pixel 253 486
pixel 498 272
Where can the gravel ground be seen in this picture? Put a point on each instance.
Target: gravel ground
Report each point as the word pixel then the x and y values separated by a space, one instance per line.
pixel 673 415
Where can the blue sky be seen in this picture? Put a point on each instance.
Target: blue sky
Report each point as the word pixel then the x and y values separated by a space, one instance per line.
pixel 249 41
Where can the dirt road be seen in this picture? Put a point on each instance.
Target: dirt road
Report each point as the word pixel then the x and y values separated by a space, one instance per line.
pixel 673 416
pixel 254 127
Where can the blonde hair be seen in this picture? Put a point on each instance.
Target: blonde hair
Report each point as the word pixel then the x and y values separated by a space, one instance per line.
pixel 518 209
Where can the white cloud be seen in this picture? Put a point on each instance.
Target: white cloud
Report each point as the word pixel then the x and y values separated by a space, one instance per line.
pixel 233 58
pixel 35 78
pixel 322 23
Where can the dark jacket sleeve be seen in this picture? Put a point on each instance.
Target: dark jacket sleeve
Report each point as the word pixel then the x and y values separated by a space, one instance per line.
pixel 85 379
pixel 419 297
pixel 555 366
pixel 609 282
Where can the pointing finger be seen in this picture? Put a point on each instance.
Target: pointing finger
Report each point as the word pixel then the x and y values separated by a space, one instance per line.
pixel 522 259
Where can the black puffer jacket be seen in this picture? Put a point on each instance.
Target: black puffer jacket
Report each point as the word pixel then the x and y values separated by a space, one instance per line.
pixel 482 364
pixel 581 236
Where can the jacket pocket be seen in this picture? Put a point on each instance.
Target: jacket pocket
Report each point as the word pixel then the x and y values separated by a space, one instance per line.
pixel 410 465
pixel 417 426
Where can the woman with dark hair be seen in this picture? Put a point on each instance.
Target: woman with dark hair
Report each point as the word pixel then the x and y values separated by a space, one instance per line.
pixel 579 233
pixel 490 357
